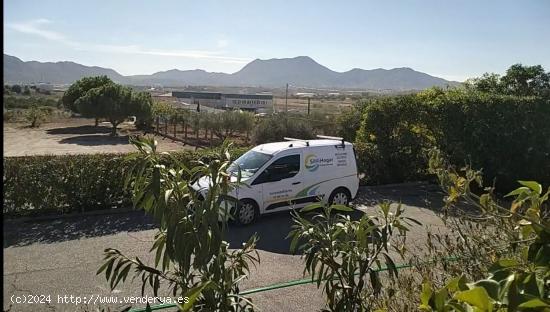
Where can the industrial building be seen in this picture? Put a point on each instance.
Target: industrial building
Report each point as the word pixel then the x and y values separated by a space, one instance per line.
pixel 249 102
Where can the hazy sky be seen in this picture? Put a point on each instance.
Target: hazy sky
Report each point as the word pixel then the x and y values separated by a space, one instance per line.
pixel 451 39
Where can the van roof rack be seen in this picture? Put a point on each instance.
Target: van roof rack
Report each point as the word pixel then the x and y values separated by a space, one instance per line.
pixel 331 138
pixel 299 140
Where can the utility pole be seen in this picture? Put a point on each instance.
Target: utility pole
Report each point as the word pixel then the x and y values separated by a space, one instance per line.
pixel 286 99
pixel 308 103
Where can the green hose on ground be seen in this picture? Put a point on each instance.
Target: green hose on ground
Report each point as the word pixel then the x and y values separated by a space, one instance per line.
pixel 277 286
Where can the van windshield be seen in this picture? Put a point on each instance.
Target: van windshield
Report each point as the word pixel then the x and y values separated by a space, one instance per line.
pixel 249 163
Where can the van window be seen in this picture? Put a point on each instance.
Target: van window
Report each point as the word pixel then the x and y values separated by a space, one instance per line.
pixel 248 163
pixel 283 168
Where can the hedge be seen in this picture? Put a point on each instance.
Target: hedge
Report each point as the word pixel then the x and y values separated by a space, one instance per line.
pixel 72 183
pixel 508 137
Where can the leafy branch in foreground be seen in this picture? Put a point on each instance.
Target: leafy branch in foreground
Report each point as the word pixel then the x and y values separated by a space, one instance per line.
pixel 345 255
pixel 192 258
pixel 512 284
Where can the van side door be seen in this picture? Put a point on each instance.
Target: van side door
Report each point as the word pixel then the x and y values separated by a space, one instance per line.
pixel 280 181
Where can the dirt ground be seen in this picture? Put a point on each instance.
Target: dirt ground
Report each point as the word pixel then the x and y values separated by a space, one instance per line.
pixel 74 136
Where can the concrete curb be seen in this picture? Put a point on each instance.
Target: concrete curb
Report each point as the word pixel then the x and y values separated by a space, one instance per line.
pixel 405 184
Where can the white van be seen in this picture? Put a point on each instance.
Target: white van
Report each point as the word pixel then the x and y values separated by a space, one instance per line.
pixel 292 174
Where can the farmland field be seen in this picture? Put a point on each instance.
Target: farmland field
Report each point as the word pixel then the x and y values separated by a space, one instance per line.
pixel 327 106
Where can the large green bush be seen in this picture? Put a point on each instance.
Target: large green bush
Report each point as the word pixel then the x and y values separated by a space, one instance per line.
pixel 507 136
pixel 499 133
pixel 70 183
pixel 392 138
pixel 275 127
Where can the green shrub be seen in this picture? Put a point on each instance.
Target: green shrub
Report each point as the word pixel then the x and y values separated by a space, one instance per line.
pixel 275 127
pixel 507 136
pixel 513 267
pixel 499 133
pixel 13 115
pixel 349 121
pixel 392 138
pixel 11 102
pixel 70 183
pixel 345 255
pixel 37 115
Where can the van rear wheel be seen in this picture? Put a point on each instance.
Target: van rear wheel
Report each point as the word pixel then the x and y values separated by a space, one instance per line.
pixel 340 196
pixel 247 212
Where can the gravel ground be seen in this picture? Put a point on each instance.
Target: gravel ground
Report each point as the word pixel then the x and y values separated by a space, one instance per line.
pixel 60 257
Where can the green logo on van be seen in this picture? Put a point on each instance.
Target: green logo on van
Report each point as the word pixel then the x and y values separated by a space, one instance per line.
pixel 312 162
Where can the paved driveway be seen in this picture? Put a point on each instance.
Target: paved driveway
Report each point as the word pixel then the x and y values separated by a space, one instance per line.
pixel 60 257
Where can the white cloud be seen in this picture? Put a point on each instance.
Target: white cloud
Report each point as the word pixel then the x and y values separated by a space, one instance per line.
pixel 33 28
pixel 36 27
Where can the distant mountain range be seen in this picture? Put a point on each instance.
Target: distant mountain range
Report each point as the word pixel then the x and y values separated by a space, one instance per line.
pixel 300 71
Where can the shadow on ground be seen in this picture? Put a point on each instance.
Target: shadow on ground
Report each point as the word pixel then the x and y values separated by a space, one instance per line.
pixel 86 129
pixel 94 140
pixel 18 233
pixel 272 229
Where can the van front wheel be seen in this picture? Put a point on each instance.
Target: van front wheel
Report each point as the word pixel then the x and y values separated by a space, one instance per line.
pixel 247 212
pixel 339 196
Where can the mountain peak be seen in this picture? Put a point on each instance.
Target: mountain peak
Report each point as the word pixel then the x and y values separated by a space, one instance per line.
pixel 304 58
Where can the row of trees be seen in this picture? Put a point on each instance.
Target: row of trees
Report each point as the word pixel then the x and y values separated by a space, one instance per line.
pixel 220 125
pixel 99 97
pixel 23 90
pixel 228 124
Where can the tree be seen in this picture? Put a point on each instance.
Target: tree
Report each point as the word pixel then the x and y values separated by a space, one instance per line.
pixel 26 91
pixel 79 89
pixel 16 89
pixel 195 121
pixel 143 103
pixel 486 83
pixel 114 103
pixel 192 255
pixel 526 80
pixel 346 255
pixel 519 80
pixel 246 123
pixel 349 121
pixel 37 115
pixel 274 127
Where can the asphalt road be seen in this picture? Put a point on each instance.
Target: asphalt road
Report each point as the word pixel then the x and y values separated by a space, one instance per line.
pixel 60 257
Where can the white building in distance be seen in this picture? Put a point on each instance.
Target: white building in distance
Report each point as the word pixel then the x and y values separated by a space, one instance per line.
pixel 248 102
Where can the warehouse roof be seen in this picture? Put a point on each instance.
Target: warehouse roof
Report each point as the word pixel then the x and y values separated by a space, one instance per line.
pixel 217 96
pixel 249 96
pixel 197 95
